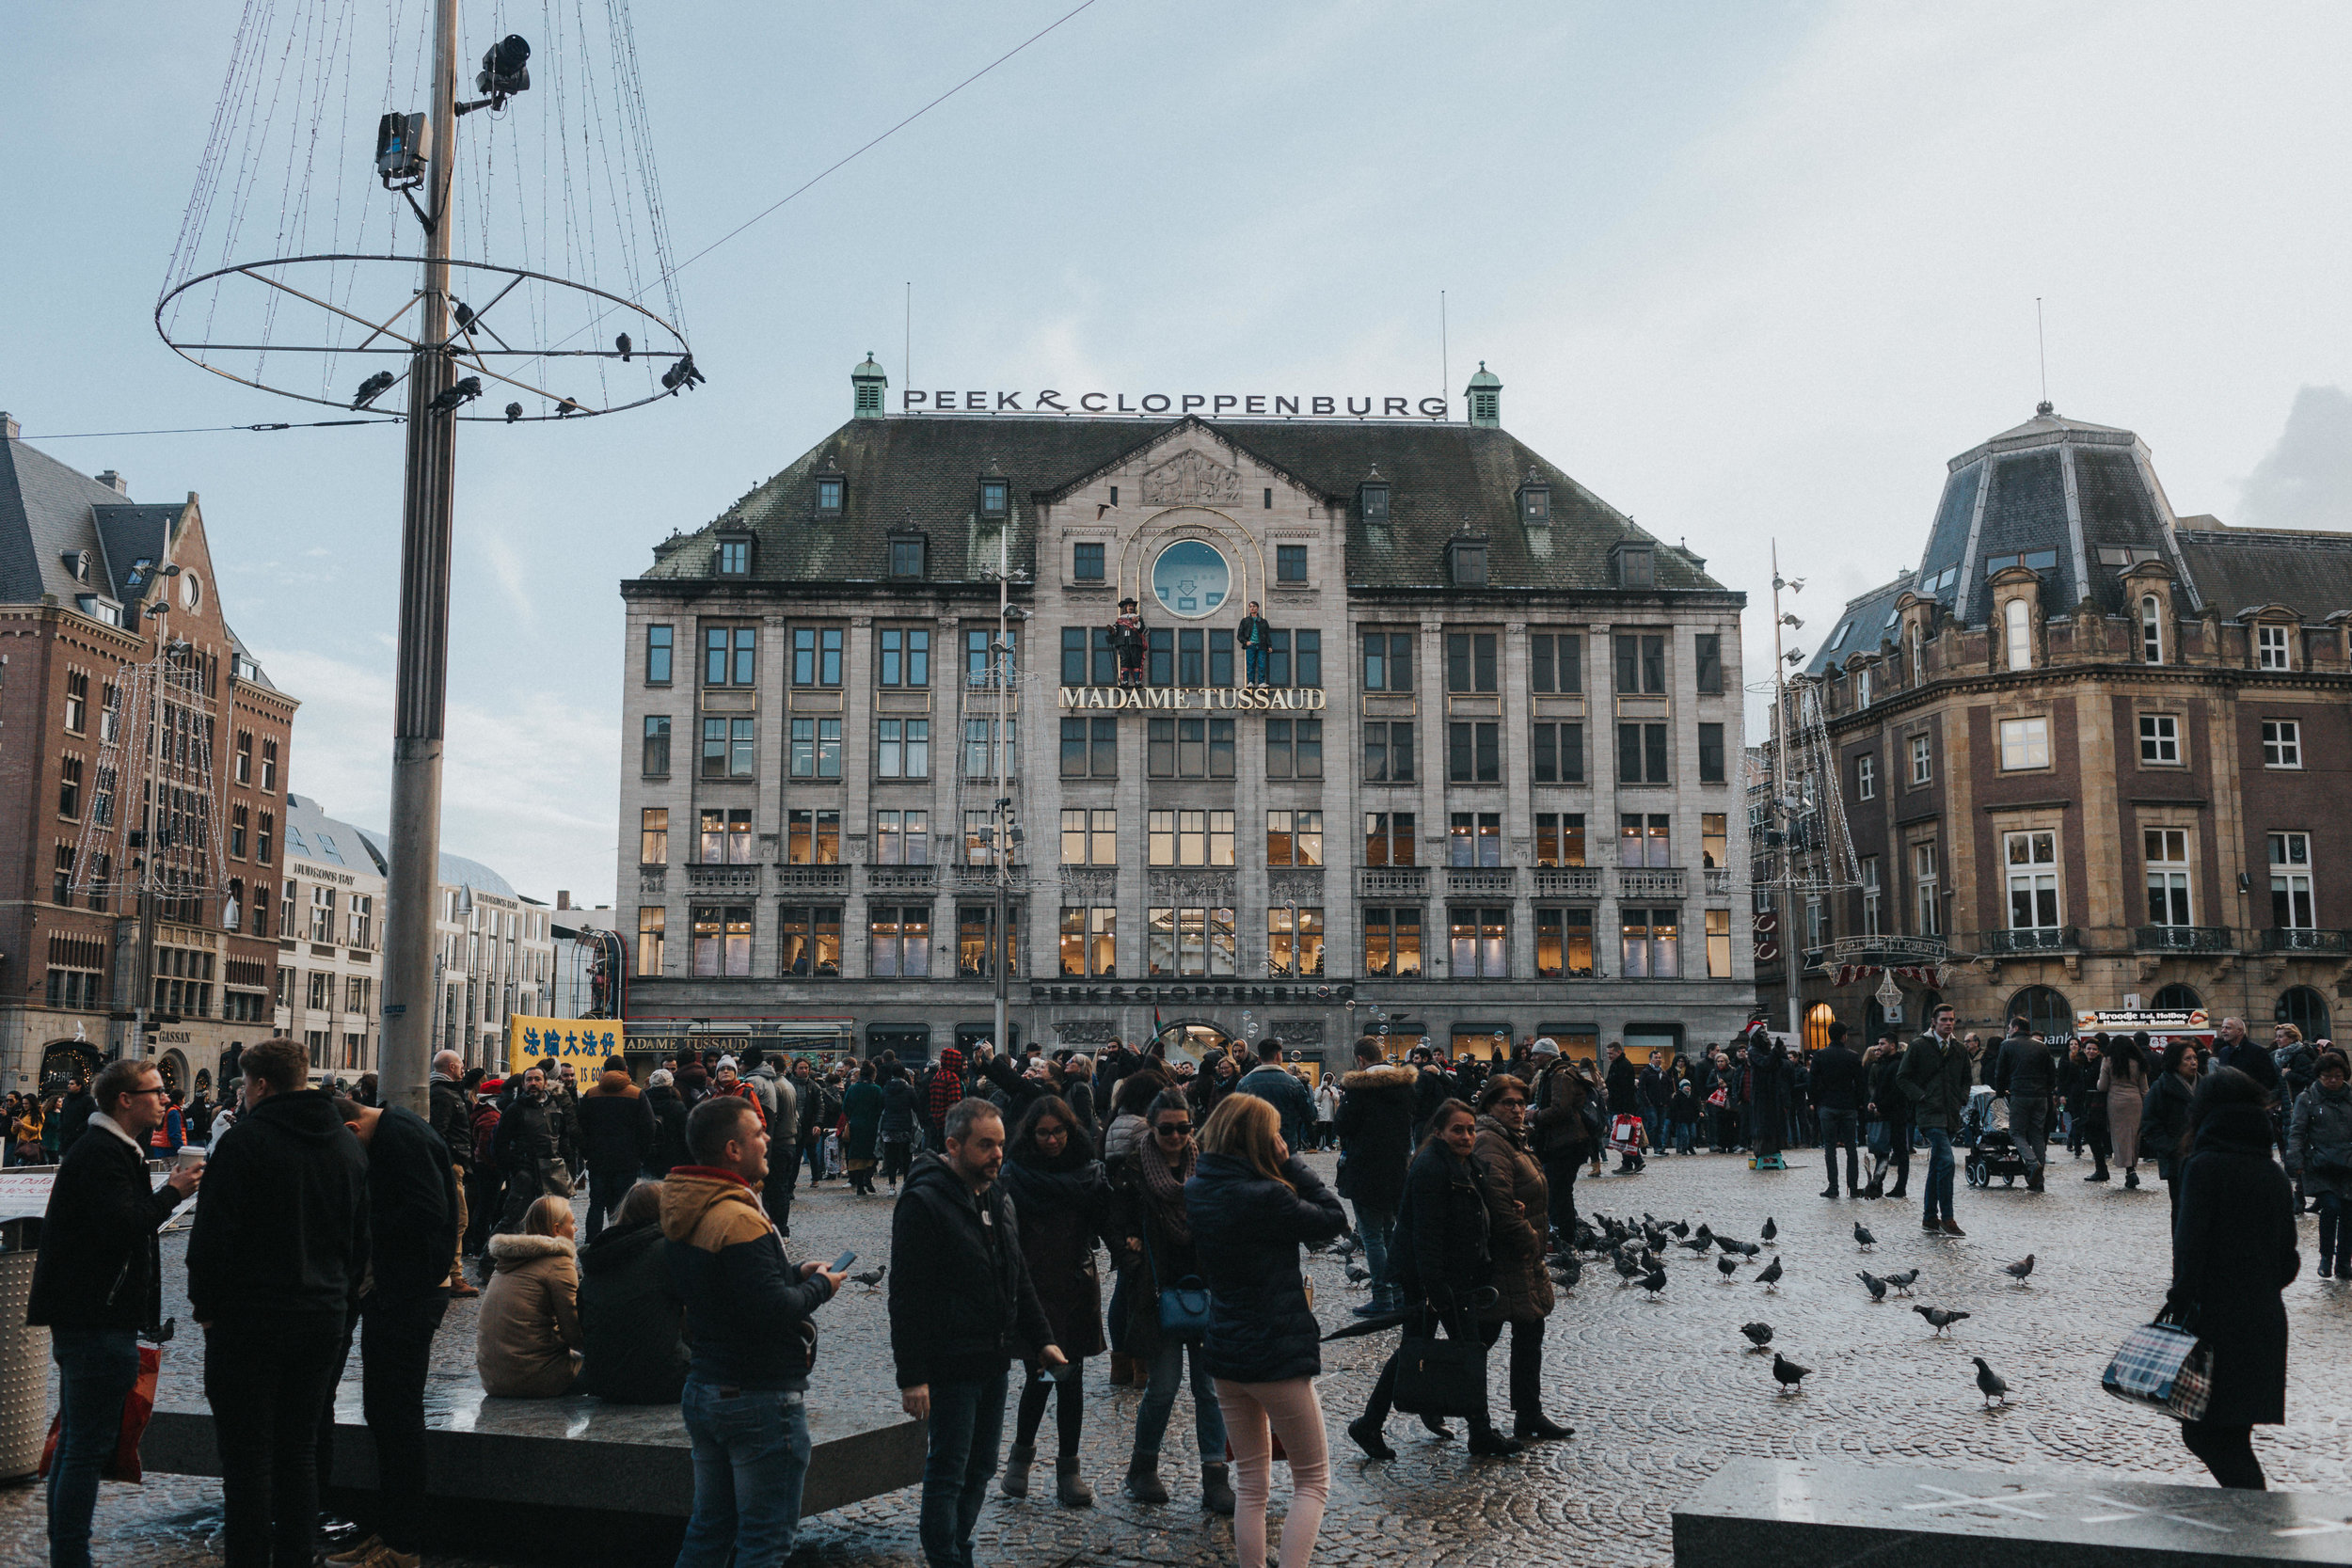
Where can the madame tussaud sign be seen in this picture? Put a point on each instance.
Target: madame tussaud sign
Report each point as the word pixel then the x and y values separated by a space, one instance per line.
pixel 1284 698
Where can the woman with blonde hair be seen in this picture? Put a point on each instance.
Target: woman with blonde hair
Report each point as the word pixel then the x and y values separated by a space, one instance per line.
pixel 1251 1203
pixel 528 1343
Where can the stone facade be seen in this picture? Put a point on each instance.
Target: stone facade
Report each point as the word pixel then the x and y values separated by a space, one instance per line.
pixel 1187 838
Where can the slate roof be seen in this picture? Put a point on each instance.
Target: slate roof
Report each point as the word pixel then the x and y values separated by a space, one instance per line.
pixel 324 841
pixel 1860 625
pixel 2241 569
pixel 46 511
pixel 455 870
pixel 924 471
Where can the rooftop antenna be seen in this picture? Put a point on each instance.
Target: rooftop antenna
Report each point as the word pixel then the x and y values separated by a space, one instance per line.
pixel 906 356
pixel 2042 349
pixel 1445 359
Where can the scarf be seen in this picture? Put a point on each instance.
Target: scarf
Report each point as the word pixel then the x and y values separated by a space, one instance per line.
pixel 1166 1185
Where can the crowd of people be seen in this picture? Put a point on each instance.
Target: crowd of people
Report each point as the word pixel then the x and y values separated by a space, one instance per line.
pixel 330 1222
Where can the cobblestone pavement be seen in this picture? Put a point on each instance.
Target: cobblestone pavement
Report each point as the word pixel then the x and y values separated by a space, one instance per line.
pixel 1660 1393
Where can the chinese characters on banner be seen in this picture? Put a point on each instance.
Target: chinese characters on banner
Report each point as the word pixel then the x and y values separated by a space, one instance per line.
pixel 585 1041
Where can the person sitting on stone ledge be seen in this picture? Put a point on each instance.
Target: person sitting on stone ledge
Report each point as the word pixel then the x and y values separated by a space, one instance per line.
pixel 631 1319
pixel 527 1343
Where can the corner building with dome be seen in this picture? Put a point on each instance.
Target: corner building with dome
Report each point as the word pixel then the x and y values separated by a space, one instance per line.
pixel 1472 778
pixel 2093 749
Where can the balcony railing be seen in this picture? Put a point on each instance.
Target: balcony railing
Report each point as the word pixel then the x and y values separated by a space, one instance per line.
pixel 1391 882
pixel 897 878
pixel 2049 938
pixel 1567 882
pixel 1649 883
pixel 812 878
pixel 1486 882
pixel 1719 879
pixel 2183 939
pixel 2302 939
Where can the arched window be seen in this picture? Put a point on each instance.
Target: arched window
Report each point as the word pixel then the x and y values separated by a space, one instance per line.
pixel 2306 1010
pixel 2046 1011
pixel 1817 1018
pixel 2175 998
pixel 2151 631
pixel 2020 643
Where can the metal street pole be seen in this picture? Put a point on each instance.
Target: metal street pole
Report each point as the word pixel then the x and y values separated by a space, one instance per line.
pixel 1791 969
pixel 422 677
pixel 1000 665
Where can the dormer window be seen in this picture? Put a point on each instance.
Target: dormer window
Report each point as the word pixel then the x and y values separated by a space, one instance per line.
pixel 908 555
pixel 1373 496
pixel 995 498
pixel 77 563
pixel 735 558
pixel 2151 629
pixel 2271 648
pixel 1535 501
pixel 830 490
pixel 1636 562
pixel 1466 560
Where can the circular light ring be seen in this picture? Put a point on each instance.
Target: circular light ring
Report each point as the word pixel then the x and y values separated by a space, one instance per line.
pixel 1191 580
pixel 668 346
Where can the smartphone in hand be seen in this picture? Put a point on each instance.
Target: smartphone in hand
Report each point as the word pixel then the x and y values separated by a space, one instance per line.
pixel 841 1264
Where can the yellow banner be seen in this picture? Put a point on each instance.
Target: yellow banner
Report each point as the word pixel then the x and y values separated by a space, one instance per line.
pixel 586 1041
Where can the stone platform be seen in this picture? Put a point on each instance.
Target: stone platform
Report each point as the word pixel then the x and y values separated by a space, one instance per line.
pixel 573 1469
pixel 1770 1514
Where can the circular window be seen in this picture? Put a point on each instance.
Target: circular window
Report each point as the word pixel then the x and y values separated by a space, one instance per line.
pixel 191 591
pixel 1191 580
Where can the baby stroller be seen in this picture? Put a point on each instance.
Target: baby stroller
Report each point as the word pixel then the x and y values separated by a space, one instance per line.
pixel 1991 1147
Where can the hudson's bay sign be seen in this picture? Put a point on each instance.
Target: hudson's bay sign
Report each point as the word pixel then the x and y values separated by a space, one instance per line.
pixel 1247 698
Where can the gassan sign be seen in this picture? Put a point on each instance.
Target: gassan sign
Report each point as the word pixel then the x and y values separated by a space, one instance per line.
pixel 1166 699
pixel 1161 404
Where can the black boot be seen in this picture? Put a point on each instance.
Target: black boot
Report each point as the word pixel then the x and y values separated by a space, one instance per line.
pixel 1487 1442
pixel 1536 1428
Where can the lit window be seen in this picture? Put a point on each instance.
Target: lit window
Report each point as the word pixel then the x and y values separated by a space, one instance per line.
pixel 1090 942
pixel 1392 944
pixel 1649 939
pixel 1478 942
pixel 1563 944
pixel 1560 838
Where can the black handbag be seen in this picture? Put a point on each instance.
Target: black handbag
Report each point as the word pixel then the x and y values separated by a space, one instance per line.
pixel 1440 1377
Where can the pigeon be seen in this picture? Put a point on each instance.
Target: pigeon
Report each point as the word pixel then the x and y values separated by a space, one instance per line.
pixel 452 397
pixel 622 343
pixel 566 409
pixel 1571 1268
pixel 1759 1335
pixel 1745 1249
pixel 1703 1233
pixel 1680 1227
pixel 2019 1270
pixel 514 412
pixel 1789 1374
pixel 872 1277
pixel 1862 1234
pixel 1727 1244
pixel 1357 1275
pixel 1769 1276
pixel 682 376
pixel 1992 1387
pixel 1654 1282
pixel 1938 1318
pixel 1627 1269
pixel 1770 1231
pixel 1697 1244
pixel 1726 1266
pixel 1875 1285
pixel 1903 1281
pixel 372 388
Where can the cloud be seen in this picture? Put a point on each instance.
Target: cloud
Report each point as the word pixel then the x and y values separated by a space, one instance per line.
pixel 2306 479
pixel 529 786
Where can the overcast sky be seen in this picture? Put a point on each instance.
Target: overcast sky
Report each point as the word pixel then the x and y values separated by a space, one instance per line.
pixel 1747 270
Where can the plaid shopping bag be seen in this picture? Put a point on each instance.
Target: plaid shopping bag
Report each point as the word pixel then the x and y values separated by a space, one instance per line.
pixel 2166 1366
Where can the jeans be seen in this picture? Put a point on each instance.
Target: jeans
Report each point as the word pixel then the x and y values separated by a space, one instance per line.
pixel 606 1188
pixel 395 1353
pixel 1686 1133
pixel 1378 1227
pixel 1937 1189
pixel 968 1422
pixel 1255 1415
pixel 1560 1177
pixel 96 1370
pixel 2029 1126
pixel 1255 663
pixel 2335 1236
pixel 1653 1124
pixel 266 1381
pixel 1838 1131
pixel 750 1458
pixel 815 1154
pixel 1159 1403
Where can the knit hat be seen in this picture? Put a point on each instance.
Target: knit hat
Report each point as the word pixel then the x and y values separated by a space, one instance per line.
pixel 727 1064
pixel 1545 1047
pixel 662 1079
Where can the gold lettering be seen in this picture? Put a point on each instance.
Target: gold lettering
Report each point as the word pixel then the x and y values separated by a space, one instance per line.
pixel 1095 696
pixel 1072 697
pixel 1314 696
pixel 1225 696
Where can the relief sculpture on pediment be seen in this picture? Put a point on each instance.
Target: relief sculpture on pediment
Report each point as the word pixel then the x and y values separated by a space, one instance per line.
pixel 1191 479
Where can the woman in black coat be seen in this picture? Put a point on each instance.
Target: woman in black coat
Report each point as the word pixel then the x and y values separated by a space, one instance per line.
pixel 632 1321
pixel 1252 1204
pixel 1445 1263
pixel 1884 1102
pixel 1061 1200
pixel 2233 1255
pixel 2164 1117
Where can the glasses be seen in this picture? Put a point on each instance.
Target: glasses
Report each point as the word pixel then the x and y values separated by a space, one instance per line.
pixel 1173 1128
pixel 129 1093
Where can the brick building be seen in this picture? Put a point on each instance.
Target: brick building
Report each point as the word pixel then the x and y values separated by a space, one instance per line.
pixel 1483 788
pixel 93 588
pixel 2089 746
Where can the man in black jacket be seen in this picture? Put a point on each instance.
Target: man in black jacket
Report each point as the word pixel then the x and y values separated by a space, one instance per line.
pixel 528 1147
pixel 2028 1074
pixel 74 1116
pixel 275 1265
pixel 1375 1130
pixel 616 1136
pixel 98 1283
pixel 1431 1089
pixel 1837 1101
pixel 452 1116
pixel 412 1217
pixel 962 1305
pixel 1623 1084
